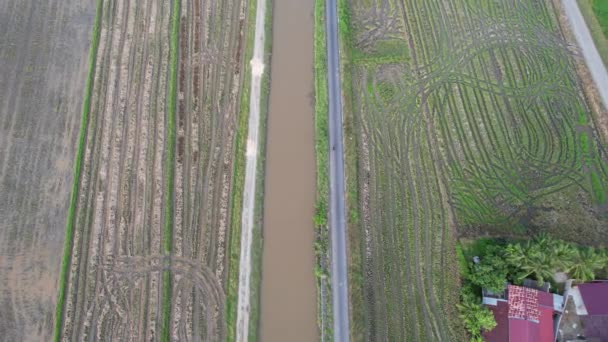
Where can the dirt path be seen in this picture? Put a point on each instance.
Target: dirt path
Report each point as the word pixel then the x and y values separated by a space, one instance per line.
pixel 257 70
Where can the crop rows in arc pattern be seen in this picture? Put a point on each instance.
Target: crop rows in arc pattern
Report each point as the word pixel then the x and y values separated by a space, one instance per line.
pixel 469 115
pixel 140 271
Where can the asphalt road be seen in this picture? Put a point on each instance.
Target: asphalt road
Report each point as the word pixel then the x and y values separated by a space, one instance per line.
pixel 592 57
pixel 337 215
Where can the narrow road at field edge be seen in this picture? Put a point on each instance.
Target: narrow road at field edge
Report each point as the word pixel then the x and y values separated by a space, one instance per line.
pixel 592 57
pixel 251 161
pixel 337 215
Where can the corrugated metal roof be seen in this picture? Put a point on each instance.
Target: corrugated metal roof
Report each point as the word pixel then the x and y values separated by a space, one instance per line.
pixel 523 303
pixel 521 330
pixel 526 317
pixel 595 297
pixel 501 332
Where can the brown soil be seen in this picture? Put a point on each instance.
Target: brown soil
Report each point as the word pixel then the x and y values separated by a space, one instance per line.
pixel 43 48
pixel 115 280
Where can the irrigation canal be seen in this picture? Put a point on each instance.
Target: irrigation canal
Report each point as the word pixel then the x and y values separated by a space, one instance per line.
pixel 288 299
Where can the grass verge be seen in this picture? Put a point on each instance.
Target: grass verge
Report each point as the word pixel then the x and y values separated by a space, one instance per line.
pixel 170 167
pixel 69 234
pixel 596 17
pixel 238 180
pixel 257 242
pixel 322 159
pixel 600 8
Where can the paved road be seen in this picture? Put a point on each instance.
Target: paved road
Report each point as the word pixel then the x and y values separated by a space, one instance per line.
pixel 339 274
pixel 592 57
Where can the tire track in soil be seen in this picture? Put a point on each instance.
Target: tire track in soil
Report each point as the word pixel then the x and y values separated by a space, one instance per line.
pixel 206 121
pixel 120 206
pixel 107 215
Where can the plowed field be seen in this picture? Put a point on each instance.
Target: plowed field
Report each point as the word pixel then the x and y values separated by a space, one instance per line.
pixel 43 67
pixel 148 256
pixel 469 118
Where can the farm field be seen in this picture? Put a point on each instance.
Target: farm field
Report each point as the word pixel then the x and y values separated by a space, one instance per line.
pixel 149 230
pixel 43 63
pixel 463 118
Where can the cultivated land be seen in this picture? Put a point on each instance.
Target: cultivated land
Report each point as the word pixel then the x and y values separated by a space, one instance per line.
pixel 43 63
pixel 462 117
pixel 148 258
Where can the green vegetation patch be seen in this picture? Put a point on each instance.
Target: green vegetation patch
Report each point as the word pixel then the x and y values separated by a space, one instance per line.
pixel 382 52
pixel 492 263
pixel 69 233
pixel 169 168
pixel 600 8
pixel 320 220
pixel 467 119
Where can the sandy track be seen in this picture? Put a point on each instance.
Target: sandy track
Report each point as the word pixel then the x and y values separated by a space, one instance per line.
pixel 43 53
pixel 119 215
pixel 257 70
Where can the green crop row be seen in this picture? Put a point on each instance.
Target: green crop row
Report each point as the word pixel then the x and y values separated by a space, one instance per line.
pixel 69 234
pixel 169 166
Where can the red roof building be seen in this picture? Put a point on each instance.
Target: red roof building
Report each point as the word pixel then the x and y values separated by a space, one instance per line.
pixel 591 302
pixel 595 297
pixel 523 315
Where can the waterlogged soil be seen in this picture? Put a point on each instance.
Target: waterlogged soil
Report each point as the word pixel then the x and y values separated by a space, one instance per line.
pixel 288 300
pixel 43 62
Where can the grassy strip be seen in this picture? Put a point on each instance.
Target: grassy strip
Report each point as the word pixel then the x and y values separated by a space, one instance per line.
pixel 69 235
pixel 595 20
pixel 257 233
pixel 600 8
pixel 170 166
pixel 324 309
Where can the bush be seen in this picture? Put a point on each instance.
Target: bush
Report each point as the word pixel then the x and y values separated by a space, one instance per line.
pixel 491 272
pixel 476 317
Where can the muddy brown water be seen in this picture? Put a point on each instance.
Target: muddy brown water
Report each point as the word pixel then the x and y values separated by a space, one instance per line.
pixel 288 299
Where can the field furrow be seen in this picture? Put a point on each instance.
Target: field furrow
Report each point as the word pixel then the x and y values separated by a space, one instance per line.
pixel 480 125
pixel 148 252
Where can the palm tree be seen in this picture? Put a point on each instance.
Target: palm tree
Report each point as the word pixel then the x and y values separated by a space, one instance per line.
pixel 563 255
pixel 544 241
pixel 586 263
pixel 531 259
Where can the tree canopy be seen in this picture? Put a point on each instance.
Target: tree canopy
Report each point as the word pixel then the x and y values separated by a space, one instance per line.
pixel 500 262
